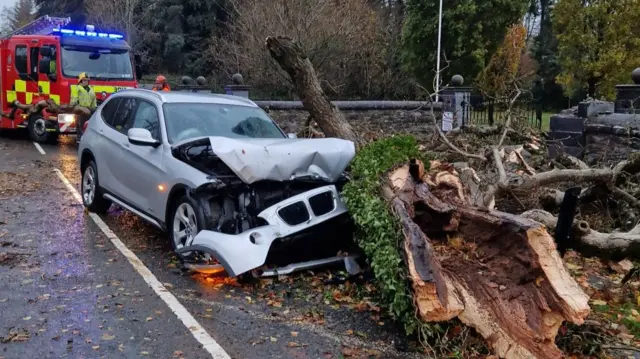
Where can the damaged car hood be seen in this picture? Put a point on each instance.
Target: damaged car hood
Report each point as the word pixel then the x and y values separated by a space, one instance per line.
pixel 284 159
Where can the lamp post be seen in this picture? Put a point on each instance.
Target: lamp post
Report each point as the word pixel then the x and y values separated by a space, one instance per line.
pixel 438 60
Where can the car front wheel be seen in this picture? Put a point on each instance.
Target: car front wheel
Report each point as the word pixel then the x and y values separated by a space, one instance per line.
pixel 186 223
pixel 91 192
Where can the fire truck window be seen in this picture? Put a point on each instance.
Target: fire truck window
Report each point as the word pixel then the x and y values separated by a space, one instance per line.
pixel 21 59
pixel 35 51
pixel 123 118
pixel 147 117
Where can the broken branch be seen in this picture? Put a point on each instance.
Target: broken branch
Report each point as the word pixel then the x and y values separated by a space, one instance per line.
pixel 615 245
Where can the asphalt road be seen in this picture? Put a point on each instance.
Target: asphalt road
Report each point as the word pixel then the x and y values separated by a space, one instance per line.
pixel 67 291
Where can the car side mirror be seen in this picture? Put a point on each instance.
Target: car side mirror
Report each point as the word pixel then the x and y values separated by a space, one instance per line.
pixel 292 135
pixel 44 66
pixel 142 137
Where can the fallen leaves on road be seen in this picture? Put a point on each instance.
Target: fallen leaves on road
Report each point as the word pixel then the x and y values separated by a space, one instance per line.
pixel 360 353
pixel 178 354
pixel 11 258
pixel 108 337
pixel 16 336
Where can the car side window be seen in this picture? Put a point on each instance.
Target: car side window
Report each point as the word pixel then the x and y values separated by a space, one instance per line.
pixel 122 119
pixel 109 110
pixel 147 117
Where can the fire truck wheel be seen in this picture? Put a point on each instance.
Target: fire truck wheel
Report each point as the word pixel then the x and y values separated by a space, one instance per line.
pixel 37 128
pixel 91 192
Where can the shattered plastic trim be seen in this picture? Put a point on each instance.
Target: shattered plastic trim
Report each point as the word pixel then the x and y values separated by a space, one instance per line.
pixel 240 253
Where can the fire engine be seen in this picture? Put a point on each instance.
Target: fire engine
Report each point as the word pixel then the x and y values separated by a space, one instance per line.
pixel 43 60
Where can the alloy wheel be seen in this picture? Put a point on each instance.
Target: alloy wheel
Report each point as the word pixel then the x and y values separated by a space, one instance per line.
pixel 185 225
pixel 88 185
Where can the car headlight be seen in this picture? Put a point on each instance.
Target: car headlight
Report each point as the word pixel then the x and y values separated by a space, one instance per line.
pixel 67 118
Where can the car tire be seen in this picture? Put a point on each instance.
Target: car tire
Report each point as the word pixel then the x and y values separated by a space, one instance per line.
pixel 91 192
pixel 184 210
pixel 37 128
pixel 250 277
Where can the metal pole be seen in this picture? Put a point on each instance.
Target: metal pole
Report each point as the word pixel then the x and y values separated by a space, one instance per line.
pixel 438 60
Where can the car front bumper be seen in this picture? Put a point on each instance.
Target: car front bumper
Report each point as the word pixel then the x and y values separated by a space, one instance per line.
pixel 243 252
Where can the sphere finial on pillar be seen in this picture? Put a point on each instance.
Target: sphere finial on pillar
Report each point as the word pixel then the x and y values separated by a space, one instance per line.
pixel 635 76
pixel 457 80
pixel 237 79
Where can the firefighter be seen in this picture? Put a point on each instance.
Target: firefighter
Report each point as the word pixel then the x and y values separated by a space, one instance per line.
pixel 161 84
pixel 85 98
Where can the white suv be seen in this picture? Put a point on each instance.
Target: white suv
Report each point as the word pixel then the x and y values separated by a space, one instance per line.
pixel 214 171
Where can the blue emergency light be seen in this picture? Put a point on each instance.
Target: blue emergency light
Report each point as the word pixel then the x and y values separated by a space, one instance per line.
pixel 89 33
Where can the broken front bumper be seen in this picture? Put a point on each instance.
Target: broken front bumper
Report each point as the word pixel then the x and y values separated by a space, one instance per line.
pixel 240 253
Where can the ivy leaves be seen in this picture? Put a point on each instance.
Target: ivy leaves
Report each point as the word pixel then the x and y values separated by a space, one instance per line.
pixel 378 232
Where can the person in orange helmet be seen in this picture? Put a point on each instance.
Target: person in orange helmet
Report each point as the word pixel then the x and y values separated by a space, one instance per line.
pixel 161 84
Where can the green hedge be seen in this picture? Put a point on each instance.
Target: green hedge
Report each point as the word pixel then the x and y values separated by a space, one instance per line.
pixel 378 232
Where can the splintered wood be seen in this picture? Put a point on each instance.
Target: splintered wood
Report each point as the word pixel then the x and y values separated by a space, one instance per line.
pixel 497 272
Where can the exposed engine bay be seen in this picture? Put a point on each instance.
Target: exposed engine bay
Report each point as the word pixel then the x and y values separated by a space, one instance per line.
pixel 234 205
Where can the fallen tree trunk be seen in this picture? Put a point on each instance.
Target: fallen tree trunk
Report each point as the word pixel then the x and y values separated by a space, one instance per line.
pixel 497 272
pixel 290 56
pixel 615 245
pixel 51 107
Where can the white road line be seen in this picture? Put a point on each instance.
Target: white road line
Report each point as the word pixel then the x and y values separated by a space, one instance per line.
pixel 201 335
pixel 39 148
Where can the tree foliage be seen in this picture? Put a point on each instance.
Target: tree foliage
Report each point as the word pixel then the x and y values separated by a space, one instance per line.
pixel 347 42
pixel 20 14
pixel 471 32
pixel 378 231
pixel 75 9
pixel 597 44
pixel 503 72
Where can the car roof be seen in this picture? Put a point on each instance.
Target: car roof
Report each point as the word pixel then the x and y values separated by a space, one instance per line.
pixel 191 97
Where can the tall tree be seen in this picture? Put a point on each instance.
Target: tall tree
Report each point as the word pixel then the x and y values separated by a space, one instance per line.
pixel 598 41
pixel 471 32
pixel 545 52
pixel 75 9
pixel 20 14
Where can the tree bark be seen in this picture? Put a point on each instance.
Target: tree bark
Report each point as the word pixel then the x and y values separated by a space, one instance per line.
pixel 497 272
pixel 290 56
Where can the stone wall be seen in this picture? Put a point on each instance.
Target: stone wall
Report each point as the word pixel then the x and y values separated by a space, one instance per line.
pixel 611 138
pixel 375 120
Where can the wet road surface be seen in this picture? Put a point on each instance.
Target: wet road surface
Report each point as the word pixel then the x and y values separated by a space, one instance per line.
pixel 67 291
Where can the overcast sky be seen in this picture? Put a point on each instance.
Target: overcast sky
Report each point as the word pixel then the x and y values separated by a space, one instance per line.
pixel 6 3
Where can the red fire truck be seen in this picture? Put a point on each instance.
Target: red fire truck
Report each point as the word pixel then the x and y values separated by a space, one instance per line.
pixel 43 59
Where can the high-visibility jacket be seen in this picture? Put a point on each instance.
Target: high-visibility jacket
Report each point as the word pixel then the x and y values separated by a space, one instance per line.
pixel 85 98
pixel 165 88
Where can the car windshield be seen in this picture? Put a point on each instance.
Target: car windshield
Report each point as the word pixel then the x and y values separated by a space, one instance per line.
pixel 99 64
pixel 191 120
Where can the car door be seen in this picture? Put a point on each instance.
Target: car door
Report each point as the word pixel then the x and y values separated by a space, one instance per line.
pixel 115 152
pixel 147 170
pixel 100 143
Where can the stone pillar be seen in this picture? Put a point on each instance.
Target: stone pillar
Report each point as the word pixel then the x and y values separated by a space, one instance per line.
pixel 628 96
pixel 237 88
pixel 456 101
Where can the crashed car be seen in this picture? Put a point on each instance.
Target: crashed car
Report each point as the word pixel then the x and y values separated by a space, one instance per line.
pixel 214 171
